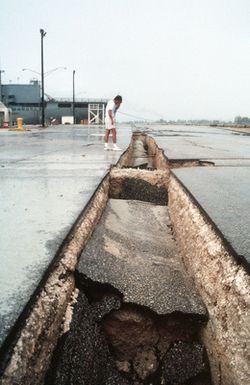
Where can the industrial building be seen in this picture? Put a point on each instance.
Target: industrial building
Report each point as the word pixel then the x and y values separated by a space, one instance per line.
pixel 24 100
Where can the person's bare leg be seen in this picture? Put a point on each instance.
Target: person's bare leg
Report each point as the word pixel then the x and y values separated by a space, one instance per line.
pixel 106 137
pixel 114 135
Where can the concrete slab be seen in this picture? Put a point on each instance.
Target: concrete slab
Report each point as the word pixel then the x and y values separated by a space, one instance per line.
pixel 47 177
pixel 224 194
pixel 132 249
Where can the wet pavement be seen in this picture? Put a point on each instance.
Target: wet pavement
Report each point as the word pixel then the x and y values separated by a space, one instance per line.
pixel 47 177
pixel 202 142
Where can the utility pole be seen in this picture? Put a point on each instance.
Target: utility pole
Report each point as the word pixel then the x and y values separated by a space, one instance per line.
pixel 43 33
pixel 73 104
pixel 1 71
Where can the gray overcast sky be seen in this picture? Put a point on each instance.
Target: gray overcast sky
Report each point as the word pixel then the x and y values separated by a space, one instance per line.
pixel 172 59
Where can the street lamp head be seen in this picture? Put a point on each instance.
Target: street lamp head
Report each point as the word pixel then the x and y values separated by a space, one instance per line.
pixel 42 32
pixel 28 69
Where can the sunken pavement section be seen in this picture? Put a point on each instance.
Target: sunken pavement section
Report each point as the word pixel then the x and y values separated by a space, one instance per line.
pixel 153 334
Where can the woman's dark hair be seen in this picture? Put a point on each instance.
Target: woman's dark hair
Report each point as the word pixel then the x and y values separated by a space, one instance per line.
pixel 118 98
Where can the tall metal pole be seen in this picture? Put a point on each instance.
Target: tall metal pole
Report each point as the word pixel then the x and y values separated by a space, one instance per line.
pixel 73 105
pixel 43 33
pixel 1 71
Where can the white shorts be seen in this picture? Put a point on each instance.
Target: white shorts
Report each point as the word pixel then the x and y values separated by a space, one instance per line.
pixel 108 124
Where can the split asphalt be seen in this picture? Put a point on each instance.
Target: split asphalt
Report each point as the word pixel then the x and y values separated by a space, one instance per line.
pixel 48 176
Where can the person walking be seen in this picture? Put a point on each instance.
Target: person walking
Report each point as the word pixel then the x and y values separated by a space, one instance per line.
pixel 110 123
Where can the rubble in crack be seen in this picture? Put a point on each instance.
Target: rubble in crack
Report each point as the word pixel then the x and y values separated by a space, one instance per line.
pixel 153 349
pixel 82 355
pixel 110 343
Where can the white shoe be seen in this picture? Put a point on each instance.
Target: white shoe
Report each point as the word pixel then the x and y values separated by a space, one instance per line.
pixel 116 148
pixel 106 147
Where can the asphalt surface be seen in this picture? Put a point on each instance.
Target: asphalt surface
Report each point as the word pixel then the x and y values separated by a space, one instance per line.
pixel 133 250
pixel 47 177
pixel 219 145
pixel 82 355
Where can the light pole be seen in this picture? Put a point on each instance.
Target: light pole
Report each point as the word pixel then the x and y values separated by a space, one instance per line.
pixel 1 71
pixel 73 104
pixel 43 33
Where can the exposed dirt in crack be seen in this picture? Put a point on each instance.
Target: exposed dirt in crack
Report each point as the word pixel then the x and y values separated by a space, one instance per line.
pixel 144 185
pixel 143 343
pixel 111 343
pixel 139 189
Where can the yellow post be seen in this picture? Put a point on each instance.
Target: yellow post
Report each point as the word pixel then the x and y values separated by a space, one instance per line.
pixel 19 126
pixel 20 123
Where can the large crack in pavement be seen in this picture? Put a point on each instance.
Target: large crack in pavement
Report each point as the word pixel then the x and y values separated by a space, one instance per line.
pixel 141 322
